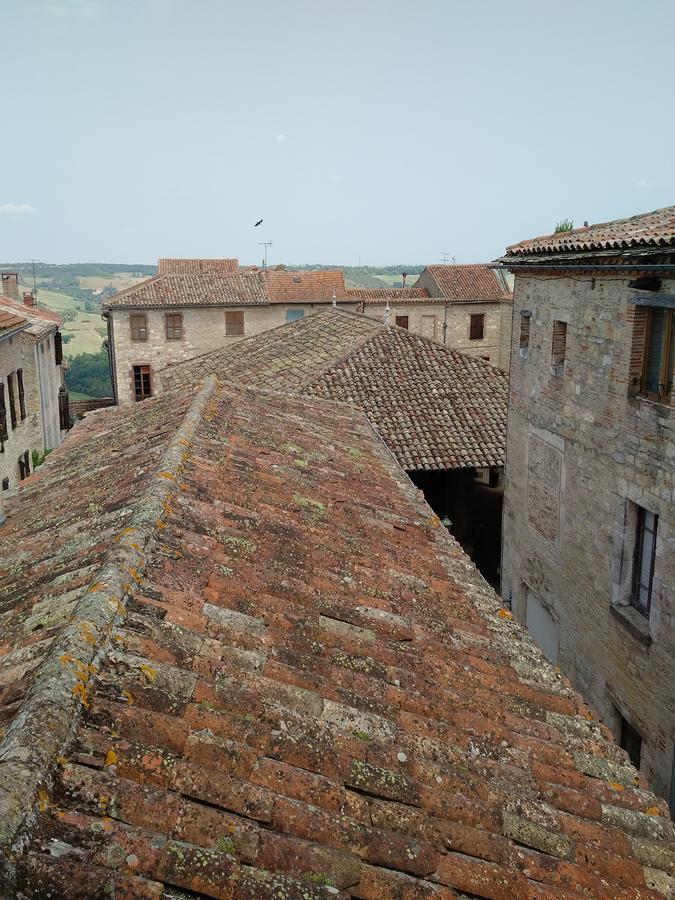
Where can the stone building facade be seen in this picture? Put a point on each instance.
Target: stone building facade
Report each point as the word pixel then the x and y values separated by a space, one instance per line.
pixel 466 307
pixel 197 306
pixel 589 522
pixel 33 405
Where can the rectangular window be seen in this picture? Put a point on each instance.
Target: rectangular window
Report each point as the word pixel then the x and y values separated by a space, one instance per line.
pixel 5 484
pixel 174 326
pixel 657 364
pixel 24 466
pixel 643 565
pixel 22 396
pixel 630 741
pixel 58 348
pixel 402 321
pixel 4 434
pixel 477 327
pixel 292 315
pixel 525 319
pixel 234 321
pixel 558 348
pixel 139 327
pixel 142 383
pixel 12 399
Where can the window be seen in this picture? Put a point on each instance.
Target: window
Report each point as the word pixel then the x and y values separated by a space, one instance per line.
pixel 558 348
pixel 402 321
pixel 22 396
pixel 58 348
pixel 542 626
pixel 139 327
pixel 630 741
pixel 486 358
pixel 24 466
pixel 525 319
pixel 643 565
pixel 234 321
pixel 12 401
pixel 657 364
pixel 142 383
pixel 292 315
pixel 477 327
pixel 173 323
pixel 5 484
pixel 4 434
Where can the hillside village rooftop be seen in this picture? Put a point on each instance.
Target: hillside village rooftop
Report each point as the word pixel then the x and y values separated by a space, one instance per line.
pixel 240 658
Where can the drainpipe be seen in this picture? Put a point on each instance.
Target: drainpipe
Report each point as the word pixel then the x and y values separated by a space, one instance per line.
pixel 386 313
pixel 445 322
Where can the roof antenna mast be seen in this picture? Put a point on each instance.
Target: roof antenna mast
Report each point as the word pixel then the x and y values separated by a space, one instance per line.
pixel 265 244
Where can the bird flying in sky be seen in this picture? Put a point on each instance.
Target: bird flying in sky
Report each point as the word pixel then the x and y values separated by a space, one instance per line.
pixel 259 222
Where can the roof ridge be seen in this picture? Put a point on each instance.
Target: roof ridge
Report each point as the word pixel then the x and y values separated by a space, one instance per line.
pixel 359 343
pixel 53 706
pixel 133 287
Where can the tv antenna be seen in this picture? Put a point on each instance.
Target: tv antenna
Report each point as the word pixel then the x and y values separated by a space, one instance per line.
pixel 265 244
pixel 445 257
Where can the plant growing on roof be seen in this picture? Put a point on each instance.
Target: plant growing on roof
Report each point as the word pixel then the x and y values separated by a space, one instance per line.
pixel 563 225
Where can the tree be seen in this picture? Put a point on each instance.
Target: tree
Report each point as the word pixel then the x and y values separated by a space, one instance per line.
pixel 90 374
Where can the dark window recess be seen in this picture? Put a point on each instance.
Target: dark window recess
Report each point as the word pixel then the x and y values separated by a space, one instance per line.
pixel 559 347
pixel 4 434
pixel 657 367
pixel 22 395
pixel 631 742
pixel 12 400
pixel 402 321
pixel 174 326
pixel 292 315
pixel 5 484
pixel 139 327
pixel 58 348
pixel 64 410
pixel 24 465
pixel 477 327
pixel 525 319
pixel 142 383
pixel 645 554
pixel 234 321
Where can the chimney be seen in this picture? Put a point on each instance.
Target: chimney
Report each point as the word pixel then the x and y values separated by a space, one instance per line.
pixel 404 275
pixel 28 298
pixel 10 285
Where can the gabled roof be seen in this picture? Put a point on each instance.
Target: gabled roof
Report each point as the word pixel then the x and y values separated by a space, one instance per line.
pixel 287 285
pixel 40 320
pixel 380 295
pixel 647 230
pixel 198 267
pixel 474 283
pixel 267 671
pixel 10 321
pixel 434 407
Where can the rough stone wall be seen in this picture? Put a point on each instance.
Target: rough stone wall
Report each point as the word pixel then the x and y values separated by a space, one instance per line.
pixel 203 331
pixel 580 451
pixel 49 378
pixel 19 353
pixel 427 319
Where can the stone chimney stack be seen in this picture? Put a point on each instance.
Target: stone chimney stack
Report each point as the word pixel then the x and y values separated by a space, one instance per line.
pixel 28 298
pixel 10 285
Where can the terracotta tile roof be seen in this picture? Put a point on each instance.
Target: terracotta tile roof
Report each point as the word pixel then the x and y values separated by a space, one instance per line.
pixel 284 679
pixel 653 229
pixel 474 283
pixel 380 295
pixel 9 320
pixel 39 318
pixel 245 287
pixel 434 407
pixel 198 267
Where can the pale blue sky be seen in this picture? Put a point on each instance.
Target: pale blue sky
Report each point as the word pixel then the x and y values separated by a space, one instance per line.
pixel 389 130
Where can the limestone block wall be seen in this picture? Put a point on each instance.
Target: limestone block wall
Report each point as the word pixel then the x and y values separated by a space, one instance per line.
pixel 203 331
pixel 427 319
pixel 580 452
pixel 18 352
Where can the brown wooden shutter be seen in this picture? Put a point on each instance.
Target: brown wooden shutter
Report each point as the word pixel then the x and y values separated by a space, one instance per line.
pixel 4 434
pixel 58 348
pixel 12 402
pixel 234 321
pixel 525 320
pixel 559 347
pixel 22 396
pixel 477 327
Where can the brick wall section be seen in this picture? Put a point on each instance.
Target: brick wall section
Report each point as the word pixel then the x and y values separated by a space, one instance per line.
pixel 203 331
pixel 613 449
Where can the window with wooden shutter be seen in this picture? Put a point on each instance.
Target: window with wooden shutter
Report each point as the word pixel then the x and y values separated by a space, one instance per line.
pixel 174 326
pixel 234 321
pixel 5 484
pixel 4 434
pixel 402 321
pixel 138 325
pixel 558 347
pixel 657 361
pixel 645 555
pixel 24 465
pixel 22 395
pixel 12 400
pixel 58 348
pixel 142 383
pixel 524 344
pixel 477 327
